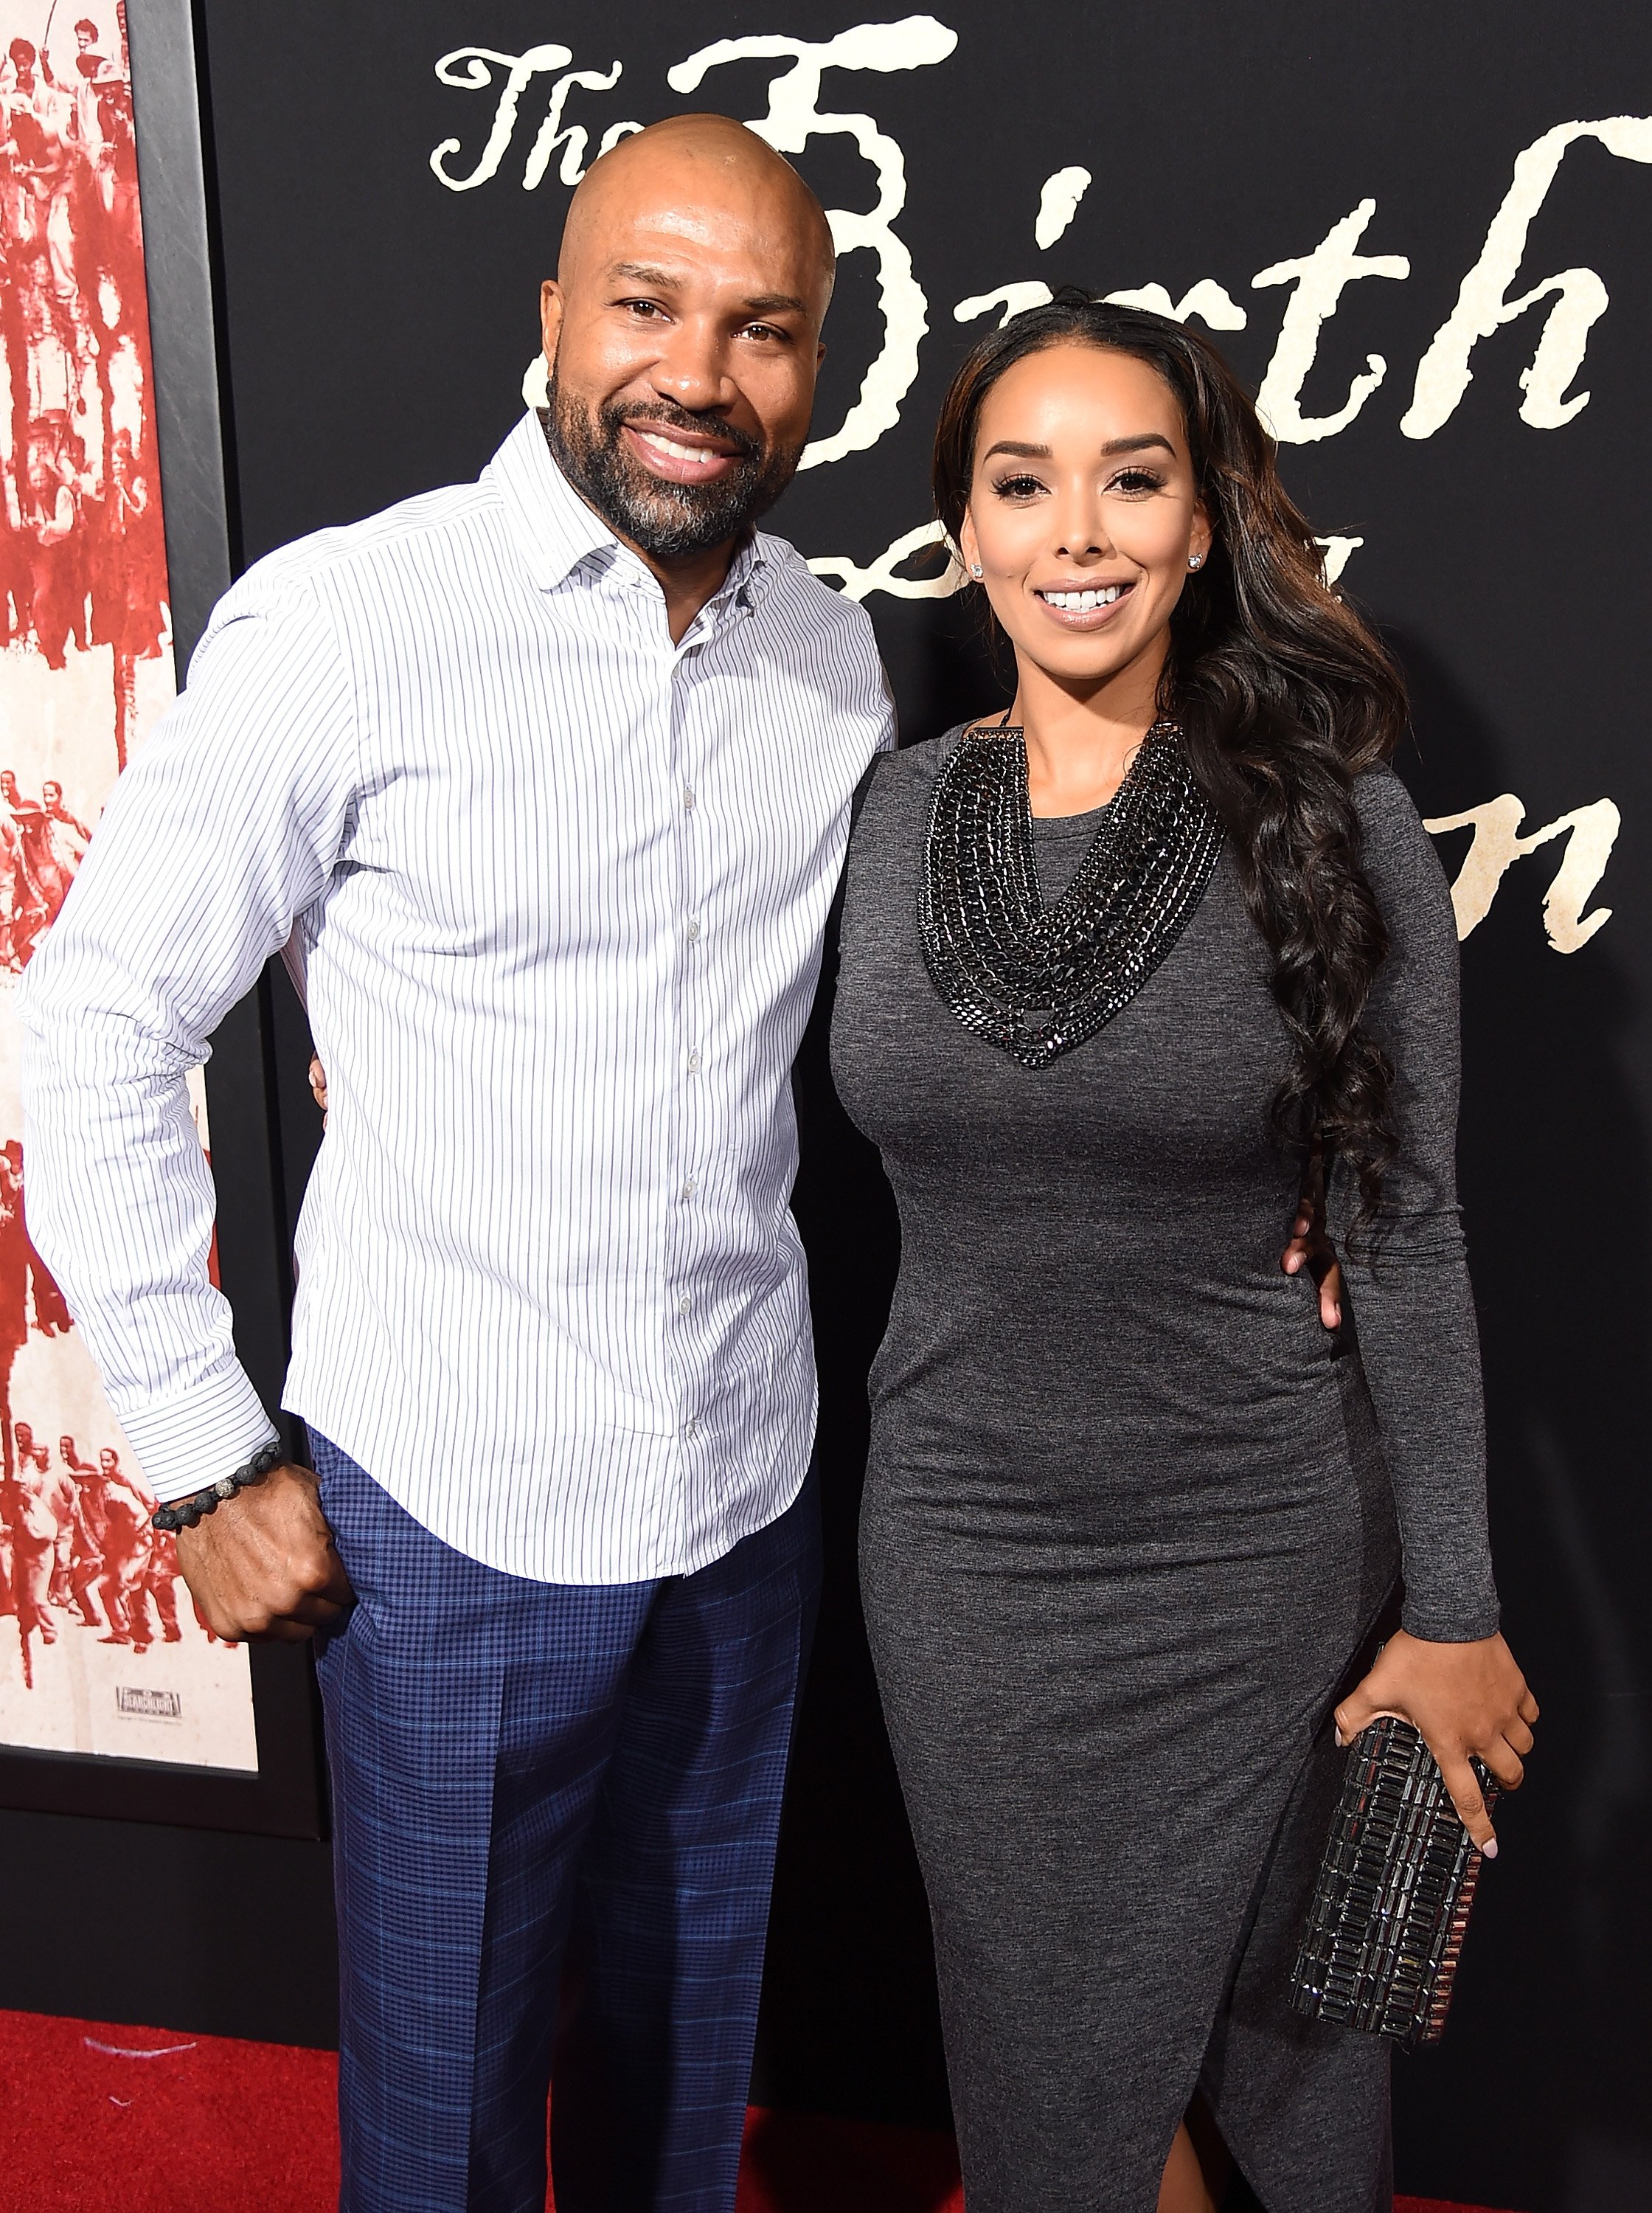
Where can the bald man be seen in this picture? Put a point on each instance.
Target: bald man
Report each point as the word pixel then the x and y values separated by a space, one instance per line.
pixel 546 781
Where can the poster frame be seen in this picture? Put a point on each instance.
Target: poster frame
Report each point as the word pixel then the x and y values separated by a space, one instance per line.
pixel 286 1796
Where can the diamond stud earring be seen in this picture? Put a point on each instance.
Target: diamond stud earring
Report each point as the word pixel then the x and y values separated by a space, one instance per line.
pixel 1194 559
pixel 976 570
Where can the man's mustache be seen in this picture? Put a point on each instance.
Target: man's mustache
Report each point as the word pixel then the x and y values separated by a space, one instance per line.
pixel 681 419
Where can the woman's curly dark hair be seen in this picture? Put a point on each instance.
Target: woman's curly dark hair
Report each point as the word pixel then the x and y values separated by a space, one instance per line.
pixel 1284 695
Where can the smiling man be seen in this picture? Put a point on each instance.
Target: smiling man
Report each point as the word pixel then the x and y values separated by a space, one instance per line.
pixel 548 778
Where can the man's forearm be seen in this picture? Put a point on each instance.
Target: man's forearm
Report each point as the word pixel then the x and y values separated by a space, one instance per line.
pixel 120 1206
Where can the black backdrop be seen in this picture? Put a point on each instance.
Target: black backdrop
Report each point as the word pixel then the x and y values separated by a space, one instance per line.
pixel 377 323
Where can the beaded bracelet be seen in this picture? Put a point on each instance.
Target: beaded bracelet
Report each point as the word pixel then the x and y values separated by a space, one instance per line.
pixel 184 1513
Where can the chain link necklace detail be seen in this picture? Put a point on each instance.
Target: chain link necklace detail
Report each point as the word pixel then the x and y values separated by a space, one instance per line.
pixel 1037 980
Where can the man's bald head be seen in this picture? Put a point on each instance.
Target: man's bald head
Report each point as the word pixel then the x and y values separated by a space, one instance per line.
pixel 678 172
pixel 683 334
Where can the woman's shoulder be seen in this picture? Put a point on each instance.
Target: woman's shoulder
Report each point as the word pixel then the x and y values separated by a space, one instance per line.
pixel 1389 823
pixel 1399 856
pixel 900 781
pixel 1385 809
pixel 914 768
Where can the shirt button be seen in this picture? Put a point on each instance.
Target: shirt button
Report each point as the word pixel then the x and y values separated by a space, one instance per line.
pixel 693 933
pixel 693 1063
pixel 688 797
pixel 691 1429
pixel 689 1188
pixel 684 1303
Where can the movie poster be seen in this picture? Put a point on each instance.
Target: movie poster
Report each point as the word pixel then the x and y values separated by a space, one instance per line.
pixel 101 1649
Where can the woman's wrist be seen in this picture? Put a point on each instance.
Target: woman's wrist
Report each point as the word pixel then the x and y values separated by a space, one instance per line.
pixel 1451 1628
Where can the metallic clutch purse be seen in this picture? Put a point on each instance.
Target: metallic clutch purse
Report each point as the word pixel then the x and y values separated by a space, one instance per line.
pixel 1386 1928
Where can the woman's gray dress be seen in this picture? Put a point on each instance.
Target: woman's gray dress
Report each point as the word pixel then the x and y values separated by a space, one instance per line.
pixel 1131 1515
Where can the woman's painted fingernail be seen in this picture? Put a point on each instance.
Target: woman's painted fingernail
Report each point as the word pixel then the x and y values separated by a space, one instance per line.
pixel 1489 1848
pixel 1342 1741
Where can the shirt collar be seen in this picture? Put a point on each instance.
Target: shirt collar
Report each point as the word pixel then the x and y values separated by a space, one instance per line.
pixel 555 530
pixel 550 521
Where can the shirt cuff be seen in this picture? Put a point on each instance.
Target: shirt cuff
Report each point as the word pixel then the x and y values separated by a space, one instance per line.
pixel 1448 1628
pixel 208 1432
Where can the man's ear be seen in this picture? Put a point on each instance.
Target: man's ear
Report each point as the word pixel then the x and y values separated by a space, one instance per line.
pixel 550 305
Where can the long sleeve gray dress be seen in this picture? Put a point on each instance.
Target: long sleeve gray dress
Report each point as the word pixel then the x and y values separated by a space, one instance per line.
pixel 1131 1516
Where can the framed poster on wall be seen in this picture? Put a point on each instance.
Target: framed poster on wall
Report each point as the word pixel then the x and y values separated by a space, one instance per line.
pixel 115 1698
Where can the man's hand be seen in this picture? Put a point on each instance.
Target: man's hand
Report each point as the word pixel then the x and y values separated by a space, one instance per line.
pixel 1309 1246
pixel 263 1563
pixel 1464 1698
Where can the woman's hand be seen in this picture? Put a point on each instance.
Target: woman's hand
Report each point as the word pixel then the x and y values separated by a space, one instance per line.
pixel 1309 1246
pixel 1464 1698
pixel 319 1086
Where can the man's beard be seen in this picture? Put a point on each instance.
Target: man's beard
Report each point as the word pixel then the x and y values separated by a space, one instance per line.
pixel 667 522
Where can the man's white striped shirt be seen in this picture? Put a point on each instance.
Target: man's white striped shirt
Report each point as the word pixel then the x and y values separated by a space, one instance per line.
pixel 559 887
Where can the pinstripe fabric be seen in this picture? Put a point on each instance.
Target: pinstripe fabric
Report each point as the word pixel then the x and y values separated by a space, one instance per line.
pixel 558 887
pixel 512 1761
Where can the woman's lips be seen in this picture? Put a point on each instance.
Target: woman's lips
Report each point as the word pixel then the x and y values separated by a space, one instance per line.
pixel 679 459
pixel 1088 607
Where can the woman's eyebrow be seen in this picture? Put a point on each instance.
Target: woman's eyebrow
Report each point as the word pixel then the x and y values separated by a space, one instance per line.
pixel 1137 445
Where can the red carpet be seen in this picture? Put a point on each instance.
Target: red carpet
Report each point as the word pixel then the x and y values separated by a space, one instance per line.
pixel 144 2120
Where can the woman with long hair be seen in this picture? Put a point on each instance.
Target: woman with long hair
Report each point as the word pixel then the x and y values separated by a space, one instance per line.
pixel 1119 967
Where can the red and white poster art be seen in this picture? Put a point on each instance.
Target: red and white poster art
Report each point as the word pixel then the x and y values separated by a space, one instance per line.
pixel 101 1649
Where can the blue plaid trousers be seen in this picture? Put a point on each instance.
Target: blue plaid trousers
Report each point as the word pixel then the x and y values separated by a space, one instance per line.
pixel 555 1814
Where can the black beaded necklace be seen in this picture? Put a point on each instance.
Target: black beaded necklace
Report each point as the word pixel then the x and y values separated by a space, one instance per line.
pixel 1037 980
